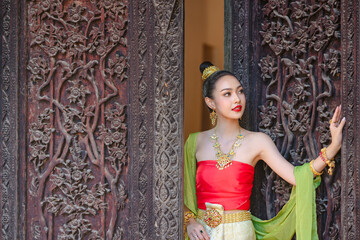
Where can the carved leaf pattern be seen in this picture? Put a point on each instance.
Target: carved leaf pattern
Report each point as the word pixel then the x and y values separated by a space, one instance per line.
pixel 77 64
pixel 298 68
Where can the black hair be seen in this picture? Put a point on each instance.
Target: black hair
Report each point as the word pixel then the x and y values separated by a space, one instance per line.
pixel 209 83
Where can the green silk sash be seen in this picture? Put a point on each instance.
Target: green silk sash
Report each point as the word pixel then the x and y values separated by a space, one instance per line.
pixel 298 214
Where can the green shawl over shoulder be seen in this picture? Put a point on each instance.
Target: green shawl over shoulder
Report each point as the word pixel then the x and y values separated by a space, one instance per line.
pixel 298 214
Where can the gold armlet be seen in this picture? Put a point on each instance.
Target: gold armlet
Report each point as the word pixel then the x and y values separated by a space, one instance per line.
pixel 313 169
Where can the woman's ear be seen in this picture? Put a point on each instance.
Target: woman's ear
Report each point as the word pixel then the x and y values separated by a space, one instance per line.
pixel 210 103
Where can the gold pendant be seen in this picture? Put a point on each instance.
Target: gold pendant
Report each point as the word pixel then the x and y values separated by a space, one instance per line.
pixel 223 162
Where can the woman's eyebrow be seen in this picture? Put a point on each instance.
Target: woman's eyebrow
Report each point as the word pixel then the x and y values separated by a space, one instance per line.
pixel 225 89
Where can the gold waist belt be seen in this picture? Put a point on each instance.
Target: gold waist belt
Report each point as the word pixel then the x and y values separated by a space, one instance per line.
pixel 213 218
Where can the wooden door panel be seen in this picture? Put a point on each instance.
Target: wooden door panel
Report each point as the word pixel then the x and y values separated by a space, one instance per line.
pixel 299 65
pixel 296 60
pixel 91 119
pixel 77 96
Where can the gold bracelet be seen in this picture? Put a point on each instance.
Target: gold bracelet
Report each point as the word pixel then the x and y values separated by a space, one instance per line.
pixel 313 169
pixel 323 152
pixel 330 163
pixel 187 216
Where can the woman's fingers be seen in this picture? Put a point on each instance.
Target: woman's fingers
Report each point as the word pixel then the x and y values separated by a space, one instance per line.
pixel 333 119
pixel 339 114
pixel 342 123
pixel 204 234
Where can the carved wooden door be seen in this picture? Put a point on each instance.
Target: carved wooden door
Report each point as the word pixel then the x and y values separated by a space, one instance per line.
pixel 296 62
pixel 91 120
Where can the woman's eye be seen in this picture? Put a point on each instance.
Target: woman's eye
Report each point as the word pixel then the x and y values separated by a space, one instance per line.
pixel 241 90
pixel 227 94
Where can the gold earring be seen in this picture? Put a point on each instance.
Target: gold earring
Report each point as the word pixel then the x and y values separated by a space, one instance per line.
pixel 213 117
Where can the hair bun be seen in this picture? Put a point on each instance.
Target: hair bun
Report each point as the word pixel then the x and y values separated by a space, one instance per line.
pixel 205 65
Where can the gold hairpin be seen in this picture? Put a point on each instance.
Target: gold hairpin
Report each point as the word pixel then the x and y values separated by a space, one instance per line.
pixel 209 71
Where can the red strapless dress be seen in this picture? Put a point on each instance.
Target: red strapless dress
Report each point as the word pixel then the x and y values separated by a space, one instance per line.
pixel 230 187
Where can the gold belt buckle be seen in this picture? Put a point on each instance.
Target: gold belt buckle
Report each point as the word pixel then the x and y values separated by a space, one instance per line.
pixel 212 217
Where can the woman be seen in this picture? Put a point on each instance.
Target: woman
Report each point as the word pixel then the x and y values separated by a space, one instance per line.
pixel 219 171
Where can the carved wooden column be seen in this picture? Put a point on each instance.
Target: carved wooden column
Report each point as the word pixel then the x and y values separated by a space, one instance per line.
pixel 156 119
pixel 350 153
pixel 302 58
pixel 9 115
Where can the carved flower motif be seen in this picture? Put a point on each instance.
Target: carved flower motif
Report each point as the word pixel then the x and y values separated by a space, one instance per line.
pixel 75 37
pixel 52 51
pixel 68 209
pixel 105 136
pixel 57 179
pixel 277 45
pixel 119 68
pixel 76 175
pixel 117 136
pixel 107 4
pixel 272 4
pixel 5 219
pixel 298 89
pixel 77 92
pixel 116 123
pixel 329 26
pixel 101 50
pixel 267 35
pixel 39 39
pixel 331 62
pixel 298 9
pixel 300 47
pixel 267 66
pixel 89 200
pixel 75 223
pixel 267 114
pixel 317 43
pixel 45 5
pixel 37 135
pixel 38 67
pixel 117 153
pixel 75 13
pixel 115 37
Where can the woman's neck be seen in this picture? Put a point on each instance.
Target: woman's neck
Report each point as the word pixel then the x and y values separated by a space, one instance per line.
pixel 227 127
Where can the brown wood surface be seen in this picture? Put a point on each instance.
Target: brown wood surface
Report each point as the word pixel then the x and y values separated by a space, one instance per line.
pixel 76 116
pixel 296 59
pixel 91 119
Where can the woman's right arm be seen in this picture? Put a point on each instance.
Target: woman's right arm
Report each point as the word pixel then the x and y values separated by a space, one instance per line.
pixel 194 229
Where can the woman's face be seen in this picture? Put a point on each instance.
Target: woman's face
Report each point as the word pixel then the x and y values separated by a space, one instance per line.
pixel 228 98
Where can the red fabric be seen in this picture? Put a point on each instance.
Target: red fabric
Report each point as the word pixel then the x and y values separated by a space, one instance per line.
pixel 230 187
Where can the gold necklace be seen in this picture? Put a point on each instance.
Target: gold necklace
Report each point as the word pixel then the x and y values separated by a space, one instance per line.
pixel 223 159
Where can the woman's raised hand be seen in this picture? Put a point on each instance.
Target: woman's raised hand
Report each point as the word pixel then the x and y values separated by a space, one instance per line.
pixel 196 231
pixel 336 127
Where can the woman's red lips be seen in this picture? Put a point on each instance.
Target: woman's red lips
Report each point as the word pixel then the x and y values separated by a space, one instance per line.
pixel 237 108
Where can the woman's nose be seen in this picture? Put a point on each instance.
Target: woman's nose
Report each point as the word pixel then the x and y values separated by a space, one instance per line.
pixel 237 98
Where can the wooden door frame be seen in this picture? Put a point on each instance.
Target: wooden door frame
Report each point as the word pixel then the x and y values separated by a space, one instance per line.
pixel 155 120
pixel 238 58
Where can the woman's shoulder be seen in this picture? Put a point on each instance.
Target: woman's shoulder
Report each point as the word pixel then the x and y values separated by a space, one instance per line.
pixel 204 135
pixel 257 137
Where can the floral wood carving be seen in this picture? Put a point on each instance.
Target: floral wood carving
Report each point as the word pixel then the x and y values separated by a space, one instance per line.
pixel 77 111
pixel 299 69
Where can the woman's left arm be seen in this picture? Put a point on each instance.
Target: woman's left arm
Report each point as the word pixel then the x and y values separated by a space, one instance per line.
pixel 270 154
